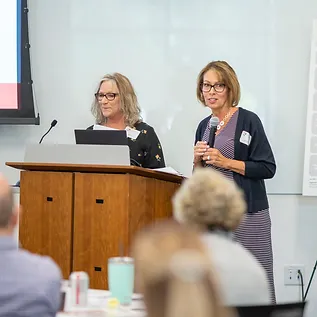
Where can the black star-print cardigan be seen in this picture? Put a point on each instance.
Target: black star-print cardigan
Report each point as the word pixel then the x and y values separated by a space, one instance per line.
pixel 146 149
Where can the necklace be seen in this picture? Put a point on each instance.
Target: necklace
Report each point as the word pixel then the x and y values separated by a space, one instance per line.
pixel 222 122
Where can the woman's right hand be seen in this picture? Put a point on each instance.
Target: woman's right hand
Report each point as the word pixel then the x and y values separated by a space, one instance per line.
pixel 199 150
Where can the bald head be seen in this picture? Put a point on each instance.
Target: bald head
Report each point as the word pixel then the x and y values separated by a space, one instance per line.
pixel 6 203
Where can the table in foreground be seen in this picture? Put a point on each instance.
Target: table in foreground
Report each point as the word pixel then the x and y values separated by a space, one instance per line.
pixel 98 306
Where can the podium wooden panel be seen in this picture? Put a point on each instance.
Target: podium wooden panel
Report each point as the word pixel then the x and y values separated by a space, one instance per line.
pixel 46 218
pixel 80 215
pixel 99 226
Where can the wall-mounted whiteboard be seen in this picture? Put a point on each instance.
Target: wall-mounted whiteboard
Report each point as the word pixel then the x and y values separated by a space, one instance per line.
pixel 161 45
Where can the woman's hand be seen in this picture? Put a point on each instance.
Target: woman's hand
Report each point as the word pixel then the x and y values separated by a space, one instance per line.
pixel 213 157
pixel 199 150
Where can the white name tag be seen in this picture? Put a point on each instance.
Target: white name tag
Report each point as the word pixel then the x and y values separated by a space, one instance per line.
pixel 245 138
pixel 132 133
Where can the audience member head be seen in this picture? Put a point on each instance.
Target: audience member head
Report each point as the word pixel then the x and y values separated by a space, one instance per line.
pixel 8 213
pixel 208 200
pixel 174 273
pixel 115 98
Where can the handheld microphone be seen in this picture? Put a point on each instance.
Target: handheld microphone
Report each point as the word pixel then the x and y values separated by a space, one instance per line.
pixel 53 124
pixel 214 121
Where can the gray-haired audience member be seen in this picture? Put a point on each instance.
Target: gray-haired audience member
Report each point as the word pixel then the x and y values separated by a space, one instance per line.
pixel 29 283
pixel 215 205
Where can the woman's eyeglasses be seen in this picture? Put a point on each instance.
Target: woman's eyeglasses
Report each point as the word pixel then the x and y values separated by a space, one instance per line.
pixel 109 96
pixel 218 87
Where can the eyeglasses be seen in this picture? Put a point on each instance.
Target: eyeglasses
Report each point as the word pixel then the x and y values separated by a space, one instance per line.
pixel 109 96
pixel 218 87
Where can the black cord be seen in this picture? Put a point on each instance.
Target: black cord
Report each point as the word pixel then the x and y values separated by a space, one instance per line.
pixel 301 283
pixel 134 162
pixel 310 280
pixel 45 134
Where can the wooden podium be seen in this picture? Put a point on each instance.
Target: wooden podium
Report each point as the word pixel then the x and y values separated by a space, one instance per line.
pixel 80 214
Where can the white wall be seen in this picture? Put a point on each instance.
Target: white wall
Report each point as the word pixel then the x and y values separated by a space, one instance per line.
pixel 70 55
pixel 161 46
pixel 294 242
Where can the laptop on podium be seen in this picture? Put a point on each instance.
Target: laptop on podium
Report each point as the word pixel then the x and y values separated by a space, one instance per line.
pixel 101 137
pixel 101 147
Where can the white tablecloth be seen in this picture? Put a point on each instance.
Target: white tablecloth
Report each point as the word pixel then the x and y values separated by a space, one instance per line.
pixel 97 306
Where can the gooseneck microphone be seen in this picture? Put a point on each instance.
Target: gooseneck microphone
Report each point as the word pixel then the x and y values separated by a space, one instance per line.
pixel 214 121
pixel 53 124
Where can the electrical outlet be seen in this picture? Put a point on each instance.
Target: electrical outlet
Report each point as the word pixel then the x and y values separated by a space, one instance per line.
pixel 291 276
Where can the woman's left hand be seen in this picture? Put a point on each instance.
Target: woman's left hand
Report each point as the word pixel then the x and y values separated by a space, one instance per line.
pixel 213 157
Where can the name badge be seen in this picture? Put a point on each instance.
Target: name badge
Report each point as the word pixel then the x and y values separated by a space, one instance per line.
pixel 132 133
pixel 245 138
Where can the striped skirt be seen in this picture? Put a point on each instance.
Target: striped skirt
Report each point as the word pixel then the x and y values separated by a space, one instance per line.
pixel 254 233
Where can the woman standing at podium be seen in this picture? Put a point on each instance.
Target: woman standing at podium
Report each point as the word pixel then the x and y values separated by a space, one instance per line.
pixel 116 106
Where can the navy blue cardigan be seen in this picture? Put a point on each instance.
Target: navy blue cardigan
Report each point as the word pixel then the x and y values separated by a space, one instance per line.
pixel 258 157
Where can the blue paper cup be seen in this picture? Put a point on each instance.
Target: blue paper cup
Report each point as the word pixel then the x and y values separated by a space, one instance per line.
pixel 121 279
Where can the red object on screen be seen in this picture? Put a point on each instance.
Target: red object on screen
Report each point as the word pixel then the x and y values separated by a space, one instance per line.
pixel 8 96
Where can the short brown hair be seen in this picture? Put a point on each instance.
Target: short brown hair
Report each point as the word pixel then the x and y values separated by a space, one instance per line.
pixel 128 99
pixel 226 75
pixel 174 272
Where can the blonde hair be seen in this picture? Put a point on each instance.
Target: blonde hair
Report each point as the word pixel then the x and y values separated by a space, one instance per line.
pixel 174 273
pixel 226 75
pixel 128 100
pixel 209 199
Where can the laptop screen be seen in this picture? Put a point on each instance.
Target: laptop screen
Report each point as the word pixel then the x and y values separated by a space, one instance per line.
pixel 101 137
